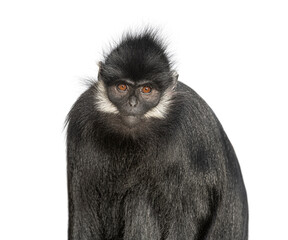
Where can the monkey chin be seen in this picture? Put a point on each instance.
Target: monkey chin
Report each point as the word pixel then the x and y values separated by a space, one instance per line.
pixel 131 121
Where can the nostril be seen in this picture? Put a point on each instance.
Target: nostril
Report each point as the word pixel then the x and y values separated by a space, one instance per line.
pixel 133 101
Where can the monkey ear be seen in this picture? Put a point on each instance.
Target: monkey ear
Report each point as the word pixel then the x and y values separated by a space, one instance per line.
pixel 175 76
pixel 100 64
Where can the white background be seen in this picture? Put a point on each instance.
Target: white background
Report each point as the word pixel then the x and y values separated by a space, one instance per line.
pixel 233 53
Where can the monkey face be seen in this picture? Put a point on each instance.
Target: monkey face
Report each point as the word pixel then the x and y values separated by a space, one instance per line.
pixel 133 103
pixel 133 100
pixel 135 87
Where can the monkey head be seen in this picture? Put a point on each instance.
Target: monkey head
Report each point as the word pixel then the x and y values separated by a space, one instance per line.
pixel 135 81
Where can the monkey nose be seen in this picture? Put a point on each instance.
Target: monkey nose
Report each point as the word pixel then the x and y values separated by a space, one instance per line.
pixel 133 101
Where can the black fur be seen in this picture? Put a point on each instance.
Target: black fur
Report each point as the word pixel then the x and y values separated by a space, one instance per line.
pixel 172 178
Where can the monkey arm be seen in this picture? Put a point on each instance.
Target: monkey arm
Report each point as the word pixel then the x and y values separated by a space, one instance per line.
pixel 231 217
pixel 210 212
pixel 215 179
pixel 231 220
pixel 84 222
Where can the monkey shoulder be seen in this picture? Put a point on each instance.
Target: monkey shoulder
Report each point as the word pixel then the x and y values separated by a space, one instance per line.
pixel 195 113
pixel 201 131
pixel 83 114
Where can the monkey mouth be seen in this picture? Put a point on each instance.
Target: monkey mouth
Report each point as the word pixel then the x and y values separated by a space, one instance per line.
pixel 131 121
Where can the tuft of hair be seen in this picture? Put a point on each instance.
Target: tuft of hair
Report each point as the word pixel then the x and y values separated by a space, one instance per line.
pixel 137 56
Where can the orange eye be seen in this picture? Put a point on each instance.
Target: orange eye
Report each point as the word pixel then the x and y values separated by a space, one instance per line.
pixel 146 89
pixel 122 87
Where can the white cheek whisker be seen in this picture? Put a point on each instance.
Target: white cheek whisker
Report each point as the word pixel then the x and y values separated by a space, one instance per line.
pixel 103 104
pixel 160 111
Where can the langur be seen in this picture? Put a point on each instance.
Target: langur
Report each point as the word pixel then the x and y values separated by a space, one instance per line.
pixel 146 156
